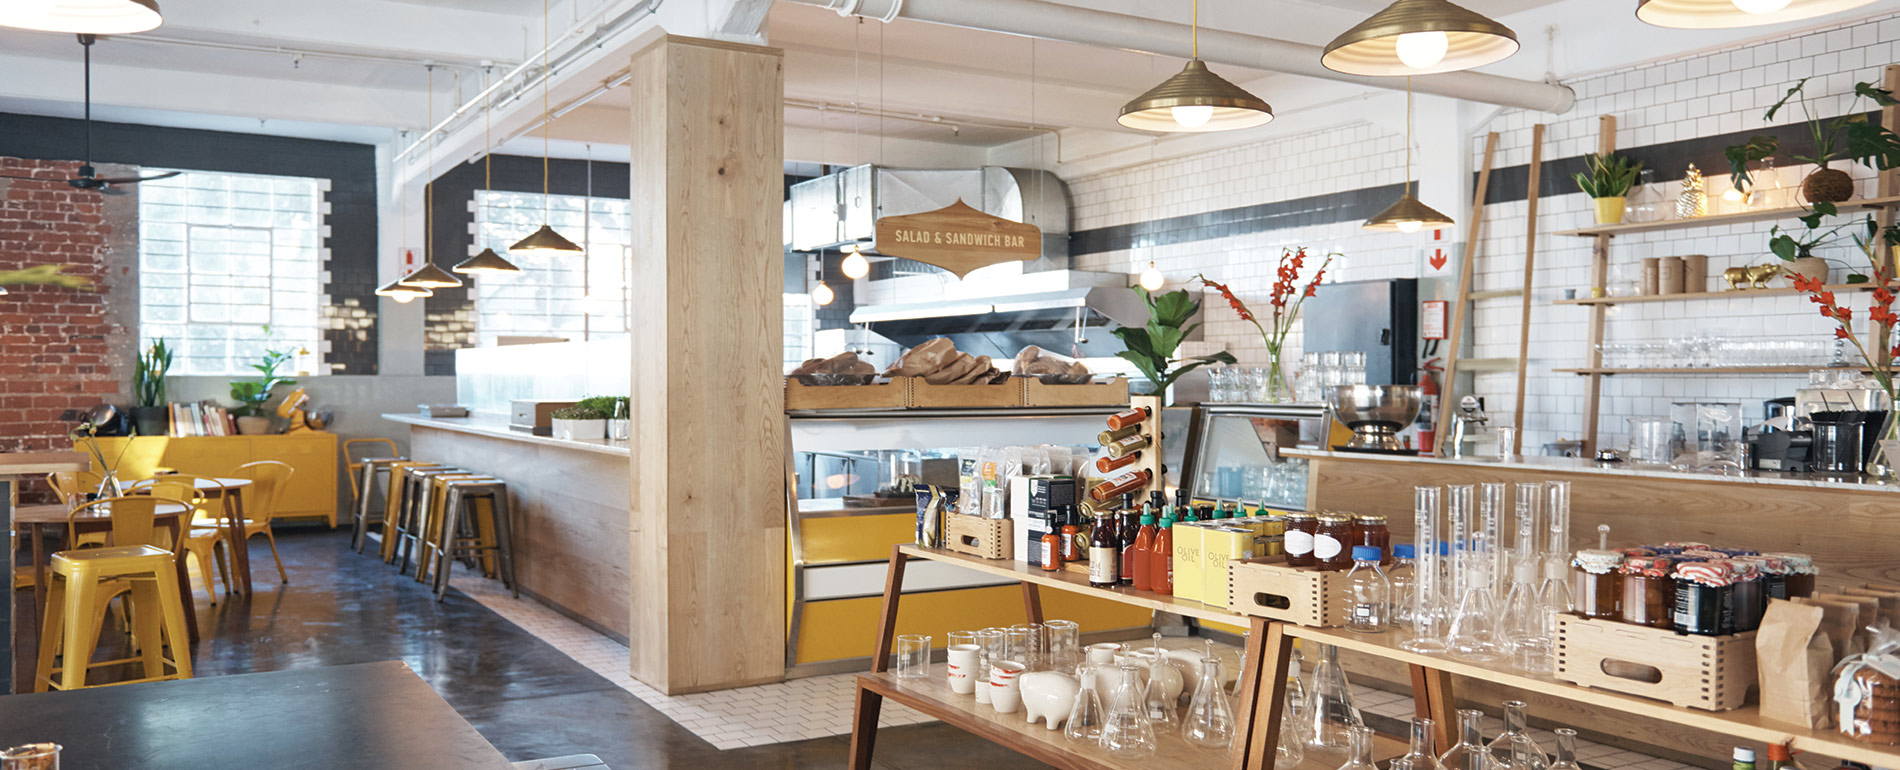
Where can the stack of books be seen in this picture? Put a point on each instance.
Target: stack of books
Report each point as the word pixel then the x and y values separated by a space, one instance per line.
pixel 202 419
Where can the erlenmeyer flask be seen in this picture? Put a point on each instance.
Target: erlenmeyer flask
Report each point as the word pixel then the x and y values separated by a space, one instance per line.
pixel 1126 732
pixel 1566 750
pixel 1359 743
pixel 1293 722
pixel 1469 753
pixel 1421 756
pixel 1330 712
pixel 1473 634
pixel 1163 691
pixel 1527 631
pixel 1086 716
pixel 1209 720
pixel 1516 743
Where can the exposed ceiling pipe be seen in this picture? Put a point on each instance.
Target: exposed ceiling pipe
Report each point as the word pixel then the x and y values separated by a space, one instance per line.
pixel 1105 29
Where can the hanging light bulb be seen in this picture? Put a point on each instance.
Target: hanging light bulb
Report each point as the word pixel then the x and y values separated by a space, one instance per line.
pixel 429 276
pixel 1420 50
pixel 1761 6
pixel 1409 225
pixel 1192 116
pixel 82 17
pixel 487 262
pixel 855 266
pixel 1420 37
pixel 545 241
pixel 1407 214
pixel 1151 279
pixel 1195 100
pixel 822 295
pixel 1726 14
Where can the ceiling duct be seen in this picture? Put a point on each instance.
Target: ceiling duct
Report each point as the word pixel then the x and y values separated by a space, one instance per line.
pixel 844 207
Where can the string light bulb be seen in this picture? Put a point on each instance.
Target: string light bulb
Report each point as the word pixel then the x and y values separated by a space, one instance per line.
pixel 1152 279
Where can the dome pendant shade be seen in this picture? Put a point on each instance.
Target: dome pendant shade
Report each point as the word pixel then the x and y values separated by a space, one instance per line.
pixel 1160 108
pixel 1728 14
pixel 1397 218
pixel 403 293
pixel 430 277
pixel 82 17
pixel 486 262
pixel 545 241
pixel 1374 46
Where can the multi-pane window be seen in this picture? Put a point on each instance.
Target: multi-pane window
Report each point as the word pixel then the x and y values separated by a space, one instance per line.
pixel 798 329
pixel 573 297
pixel 224 256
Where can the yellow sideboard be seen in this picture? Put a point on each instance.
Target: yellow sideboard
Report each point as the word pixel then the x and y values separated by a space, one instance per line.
pixel 310 494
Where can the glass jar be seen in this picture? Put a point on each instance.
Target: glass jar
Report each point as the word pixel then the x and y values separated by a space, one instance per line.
pixel 1331 533
pixel 1595 583
pixel 1649 591
pixel 1702 597
pixel 1300 528
pixel 1774 575
pixel 1748 596
pixel 1799 580
pixel 1369 529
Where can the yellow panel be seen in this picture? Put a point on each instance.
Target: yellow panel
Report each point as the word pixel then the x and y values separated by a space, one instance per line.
pixel 855 538
pixel 312 487
pixel 207 455
pixel 845 628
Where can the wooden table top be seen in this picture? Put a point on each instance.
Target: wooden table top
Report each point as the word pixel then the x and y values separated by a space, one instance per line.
pixel 56 514
pixel 200 484
pixel 40 463
pixel 367 716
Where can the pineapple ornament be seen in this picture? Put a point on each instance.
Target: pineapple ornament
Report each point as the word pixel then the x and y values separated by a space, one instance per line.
pixel 1694 200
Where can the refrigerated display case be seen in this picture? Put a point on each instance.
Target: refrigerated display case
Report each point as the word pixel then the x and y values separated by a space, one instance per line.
pixel 1232 452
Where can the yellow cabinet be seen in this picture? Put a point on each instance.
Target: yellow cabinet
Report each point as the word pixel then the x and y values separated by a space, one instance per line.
pixel 310 494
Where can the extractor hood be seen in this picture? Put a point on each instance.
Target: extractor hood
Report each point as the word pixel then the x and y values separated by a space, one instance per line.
pixel 844 207
pixel 1070 312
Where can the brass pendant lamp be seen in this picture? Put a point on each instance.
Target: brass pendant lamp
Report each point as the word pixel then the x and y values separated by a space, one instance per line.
pixel 545 241
pixel 487 262
pixel 429 276
pixel 1407 214
pixel 395 289
pixel 82 17
pixel 1196 100
pixel 1420 37
pixel 1726 14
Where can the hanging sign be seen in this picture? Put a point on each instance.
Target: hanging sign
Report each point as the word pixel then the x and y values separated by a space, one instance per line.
pixel 958 238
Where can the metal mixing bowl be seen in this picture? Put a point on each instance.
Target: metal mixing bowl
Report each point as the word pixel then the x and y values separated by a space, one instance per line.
pixel 1394 405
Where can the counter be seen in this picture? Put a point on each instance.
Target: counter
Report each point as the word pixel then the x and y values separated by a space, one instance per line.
pixel 1540 464
pixel 571 502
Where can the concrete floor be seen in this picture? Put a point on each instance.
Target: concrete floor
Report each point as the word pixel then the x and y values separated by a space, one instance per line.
pixel 527 698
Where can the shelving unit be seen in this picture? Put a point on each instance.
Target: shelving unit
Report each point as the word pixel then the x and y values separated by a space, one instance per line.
pixel 1725 294
pixel 1713 220
pixel 1679 370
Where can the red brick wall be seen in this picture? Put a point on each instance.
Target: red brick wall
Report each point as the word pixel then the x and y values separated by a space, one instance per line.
pixel 62 349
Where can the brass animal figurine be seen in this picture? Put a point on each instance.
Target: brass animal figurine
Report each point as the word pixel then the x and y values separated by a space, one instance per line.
pixel 1758 275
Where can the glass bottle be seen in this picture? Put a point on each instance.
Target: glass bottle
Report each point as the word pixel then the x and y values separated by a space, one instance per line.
pixel 1427 628
pixel 1368 593
pixel 1293 722
pixel 1330 712
pixel 1517 743
pixel 1645 200
pixel 1359 745
pixel 1126 732
pixel 1566 750
pixel 1209 721
pixel 1469 753
pixel 1086 716
pixel 1404 571
pixel 1421 756
pixel 1104 553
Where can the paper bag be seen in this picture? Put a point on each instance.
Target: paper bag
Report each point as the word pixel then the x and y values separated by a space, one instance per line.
pixel 1868 609
pixel 1838 622
pixel 1794 657
pixel 1889 603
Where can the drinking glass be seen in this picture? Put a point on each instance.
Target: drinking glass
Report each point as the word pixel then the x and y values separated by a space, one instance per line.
pixel 32 756
pixel 913 656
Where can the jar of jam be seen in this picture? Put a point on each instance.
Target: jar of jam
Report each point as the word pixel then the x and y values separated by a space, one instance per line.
pixel 1595 583
pixel 1649 591
pixel 1748 597
pixel 1369 529
pixel 1300 528
pixel 1702 597
pixel 1799 574
pixel 1331 533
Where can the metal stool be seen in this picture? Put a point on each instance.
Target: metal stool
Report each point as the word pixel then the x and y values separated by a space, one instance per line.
pixel 74 614
pixel 395 504
pixel 413 516
pixel 426 524
pixel 365 489
pixel 464 507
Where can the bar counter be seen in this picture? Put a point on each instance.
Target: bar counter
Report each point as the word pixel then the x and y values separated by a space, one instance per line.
pixel 571 503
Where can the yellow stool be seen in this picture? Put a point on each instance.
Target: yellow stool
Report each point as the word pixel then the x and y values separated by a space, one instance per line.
pixel 80 581
pixel 428 519
pixel 396 505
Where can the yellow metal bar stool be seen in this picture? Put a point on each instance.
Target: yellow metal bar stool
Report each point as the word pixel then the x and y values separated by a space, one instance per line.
pixel 484 504
pixel 81 579
pixel 396 504
pixel 427 522
pixel 363 485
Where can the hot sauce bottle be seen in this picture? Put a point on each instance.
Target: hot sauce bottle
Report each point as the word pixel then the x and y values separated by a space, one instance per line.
pixel 1134 416
pixel 1161 559
pixel 1144 552
pixel 1072 545
pixel 1052 551
pixel 1125 531
pixel 1104 553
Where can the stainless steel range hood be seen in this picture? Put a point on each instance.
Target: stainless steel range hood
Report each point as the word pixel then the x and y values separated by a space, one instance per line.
pixel 844 207
pixel 1073 319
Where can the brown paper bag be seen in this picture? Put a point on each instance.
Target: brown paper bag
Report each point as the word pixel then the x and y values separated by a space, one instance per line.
pixel 1883 586
pixel 1838 621
pixel 1889 603
pixel 1868 615
pixel 1794 657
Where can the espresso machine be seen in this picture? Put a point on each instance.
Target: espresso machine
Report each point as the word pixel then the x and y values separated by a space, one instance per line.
pixel 1819 430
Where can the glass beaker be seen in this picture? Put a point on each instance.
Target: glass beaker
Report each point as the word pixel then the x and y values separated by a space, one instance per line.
pixel 1526 632
pixel 1487 539
pixel 1330 712
pixel 1126 732
pixel 1427 625
pixel 1527 539
pixel 1024 645
pixel 1359 746
pixel 913 656
pixel 1653 441
pixel 1163 685
pixel 1473 632
pixel 1209 721
pixel 1516 743
pixel 1062 644
pixel 1086 717
pixel 1469 753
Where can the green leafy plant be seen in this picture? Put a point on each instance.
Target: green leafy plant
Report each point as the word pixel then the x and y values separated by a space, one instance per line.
pixel 251 394
pixel 1151 347
pixel 601 404
pixel 149 378
pixel 44 275
pixel 1609 176
pixel 1790 245
pixel 1850 136
pixel 578 412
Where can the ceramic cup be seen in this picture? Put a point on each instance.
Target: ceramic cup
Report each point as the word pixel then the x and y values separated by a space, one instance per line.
pixel 1006 686
pixel 962 668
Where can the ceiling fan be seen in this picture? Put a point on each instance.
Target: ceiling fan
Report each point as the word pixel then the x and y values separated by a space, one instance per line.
pixel 89 178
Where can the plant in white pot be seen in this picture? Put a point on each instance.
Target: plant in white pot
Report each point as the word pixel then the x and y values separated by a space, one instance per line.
pixel 1608 184
pixel 251 394
pixel 579 423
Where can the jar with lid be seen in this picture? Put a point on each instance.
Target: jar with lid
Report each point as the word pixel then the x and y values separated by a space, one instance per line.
pixel 1300 528
pixel 1800 572
pixel 1649 591
pixel 1774 576
pixel 1748 596
pixel 1331 533
pixel 1369 529
pixel 1595 583
pixel 1703 591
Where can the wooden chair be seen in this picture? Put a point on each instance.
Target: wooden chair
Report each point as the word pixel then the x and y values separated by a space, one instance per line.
pixel 210 522
pixel 268 478
pixel 134 560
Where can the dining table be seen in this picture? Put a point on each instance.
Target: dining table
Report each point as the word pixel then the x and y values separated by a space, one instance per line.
pixel 229 492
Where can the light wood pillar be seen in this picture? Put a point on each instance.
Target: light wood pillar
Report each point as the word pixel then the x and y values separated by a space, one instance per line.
pixel 708 529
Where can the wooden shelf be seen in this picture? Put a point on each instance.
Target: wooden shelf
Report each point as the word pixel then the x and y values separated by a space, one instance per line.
pixel 1728 294
pixel 1725 219
pixel 1745 722
pixel 1076 582
pixel 1702 370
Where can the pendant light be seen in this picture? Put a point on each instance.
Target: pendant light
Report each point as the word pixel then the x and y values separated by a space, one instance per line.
pixel 1196 100
pixel 855 266
pixel 1407 214
pixel 429 276
pixel 822 295
pixel 545 241
pixel 395 289
pixel 487 262
pixel 1724 14
pixel 1420 37
pixel 82 17
pixel 1151 279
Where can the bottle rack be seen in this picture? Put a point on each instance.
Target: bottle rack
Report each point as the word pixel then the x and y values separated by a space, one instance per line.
pixel 1151 457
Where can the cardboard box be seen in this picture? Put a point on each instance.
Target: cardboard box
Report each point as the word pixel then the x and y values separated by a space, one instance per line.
pixel 1188 577
pixel 1218 545
pixel 1047 493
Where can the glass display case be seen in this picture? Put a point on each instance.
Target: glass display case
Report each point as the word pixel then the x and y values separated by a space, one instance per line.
pixel 1233 452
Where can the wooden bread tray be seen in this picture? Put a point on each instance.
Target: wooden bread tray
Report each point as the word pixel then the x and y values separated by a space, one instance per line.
pixel 978 536
pixel 1111 393
pixel 879 395
pixel 924 395
pixel 1711 673
pixel 1266 587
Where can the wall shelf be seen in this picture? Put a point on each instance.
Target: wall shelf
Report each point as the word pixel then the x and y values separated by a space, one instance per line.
pixel 1702 295
pixel 1713 220
pixel 1680 370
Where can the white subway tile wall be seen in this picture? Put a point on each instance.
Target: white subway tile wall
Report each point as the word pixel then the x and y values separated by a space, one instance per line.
pixel 1664 101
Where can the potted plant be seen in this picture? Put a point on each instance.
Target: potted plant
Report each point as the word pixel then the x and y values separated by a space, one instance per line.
pixel 1286 299
pixel 615 409
pixel 1608 182
pixel 1877 360
pixel 251 394
pixel 1850 136
pixel 1797 248
pixel 579 423
pixel 1151 347
pixel 151 416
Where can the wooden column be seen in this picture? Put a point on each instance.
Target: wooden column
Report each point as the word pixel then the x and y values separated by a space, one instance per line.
pixel 707 599
pixel 1599 313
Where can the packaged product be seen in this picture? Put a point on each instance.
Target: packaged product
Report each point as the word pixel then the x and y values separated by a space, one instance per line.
pixel 1868 609
pixel 1889 603
pixel 1867 691
pixel 1793 657
pixel 1837 622
pixel 933 504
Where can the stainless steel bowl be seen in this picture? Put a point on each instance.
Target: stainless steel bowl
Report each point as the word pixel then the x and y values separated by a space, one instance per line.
pixel 1376 413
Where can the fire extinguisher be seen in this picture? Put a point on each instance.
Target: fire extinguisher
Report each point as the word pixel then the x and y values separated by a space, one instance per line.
pixel 1428 407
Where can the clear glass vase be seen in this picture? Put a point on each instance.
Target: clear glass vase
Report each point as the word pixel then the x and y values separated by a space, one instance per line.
pixel 1278 387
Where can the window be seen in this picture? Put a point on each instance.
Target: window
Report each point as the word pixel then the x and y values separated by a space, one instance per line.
pixel 221 256
pixel 573 297
pixel 799 323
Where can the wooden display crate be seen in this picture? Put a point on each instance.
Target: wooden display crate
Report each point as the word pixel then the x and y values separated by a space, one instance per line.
pixel 1266 587
pixel 978 536
pixel 878 395
pixel 1712 673
pixel 1111 393
pixel 924 395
